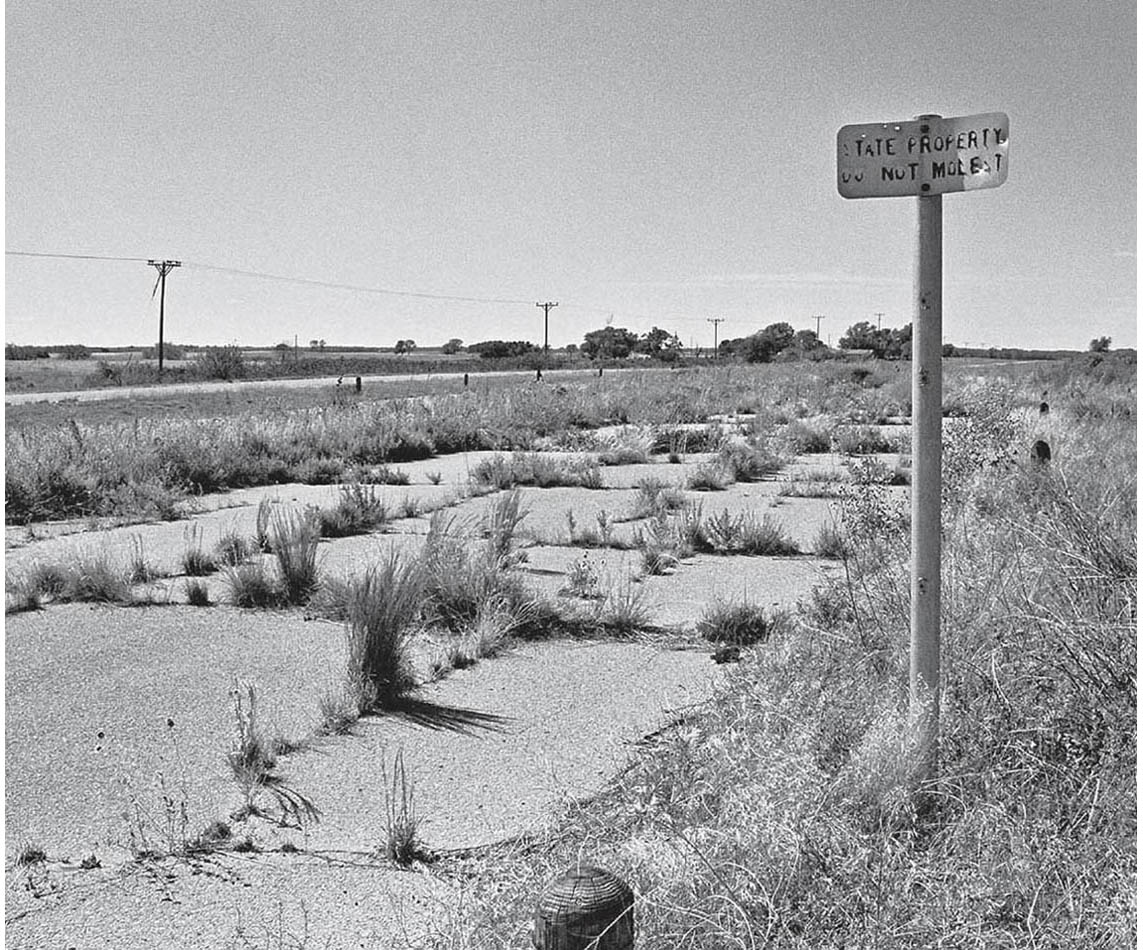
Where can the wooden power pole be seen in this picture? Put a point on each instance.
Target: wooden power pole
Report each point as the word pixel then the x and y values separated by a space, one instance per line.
pixel 547 306
pixel 164 268
pixel 716 321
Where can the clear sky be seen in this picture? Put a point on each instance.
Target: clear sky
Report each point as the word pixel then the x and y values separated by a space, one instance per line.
pixel 665 162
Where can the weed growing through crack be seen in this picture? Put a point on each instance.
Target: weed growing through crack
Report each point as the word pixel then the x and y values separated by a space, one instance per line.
pixel 625 610
pixel 294 538
pixel 233 549
pixel 30 853
pixel 94 578
pixel 402 836
pixel 252 585
pixel 738 624
pixel 829 541
pixel 709 476
pixel 358 511
pixel 196 561
pixel 384 606
pixel 262 525
pixel 140 571
pixel 252 759
pixel 157 816
pixel 583 580
pixel 198 594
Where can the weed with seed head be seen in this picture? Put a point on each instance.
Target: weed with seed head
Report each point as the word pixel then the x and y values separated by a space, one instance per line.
pixel 251 759
pixel 433 477
pixel 196 561
pixel 583 580
pixel 140 570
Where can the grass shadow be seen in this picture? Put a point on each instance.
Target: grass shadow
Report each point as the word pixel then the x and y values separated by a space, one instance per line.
pixel 440 717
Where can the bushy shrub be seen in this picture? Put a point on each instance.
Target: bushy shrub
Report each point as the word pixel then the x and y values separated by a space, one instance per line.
pixel 740 624
pixel 220 362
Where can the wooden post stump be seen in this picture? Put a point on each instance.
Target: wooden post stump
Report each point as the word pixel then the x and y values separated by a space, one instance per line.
pixel 585 907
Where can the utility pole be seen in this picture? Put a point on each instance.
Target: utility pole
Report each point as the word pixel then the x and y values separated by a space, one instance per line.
pixel 164 268
pixel 547 306
pixel 878 315
pixel 818 331
pixel 716 321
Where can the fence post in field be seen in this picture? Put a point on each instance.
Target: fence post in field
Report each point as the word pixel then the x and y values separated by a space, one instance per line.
pixel 585 907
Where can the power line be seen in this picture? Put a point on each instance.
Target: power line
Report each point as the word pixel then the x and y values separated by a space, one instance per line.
pixel 78 257
pixel 353 287
pixel 358 288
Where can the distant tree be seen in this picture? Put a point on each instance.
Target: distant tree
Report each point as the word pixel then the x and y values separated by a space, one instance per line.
pixel 455 345
pixel 170 352
pixel 74 351
pixel 763 346
pixel 885 343
pixel 899 344
pixel 13 351
pixel 609 343
pixel 571 348
pixel 807 341
pixel 282 347
pixel 500 349
pixel 405 346
pixel 1100 345
pixel 660 344
pixel 948 350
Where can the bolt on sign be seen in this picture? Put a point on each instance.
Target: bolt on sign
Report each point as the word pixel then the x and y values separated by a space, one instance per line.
pixel 929 156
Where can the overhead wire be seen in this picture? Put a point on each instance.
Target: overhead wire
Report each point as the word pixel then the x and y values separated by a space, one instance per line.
pixel 360 288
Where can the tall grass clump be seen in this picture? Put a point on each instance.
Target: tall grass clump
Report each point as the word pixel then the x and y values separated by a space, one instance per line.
pixel 358 511
pixel 294 537
pixel 253 585
pixel 384 606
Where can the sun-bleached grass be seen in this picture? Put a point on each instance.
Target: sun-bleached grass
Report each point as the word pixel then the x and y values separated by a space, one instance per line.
pixel 294 537
pixel 384 610
pixel 791 812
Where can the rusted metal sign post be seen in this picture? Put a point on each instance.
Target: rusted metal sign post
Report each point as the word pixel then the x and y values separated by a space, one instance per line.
pixel 925 158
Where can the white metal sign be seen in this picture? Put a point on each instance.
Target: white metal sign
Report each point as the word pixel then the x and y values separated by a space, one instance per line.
pixel 929 156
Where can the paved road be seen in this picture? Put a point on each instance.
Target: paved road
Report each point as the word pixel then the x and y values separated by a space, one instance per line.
pixel 125 392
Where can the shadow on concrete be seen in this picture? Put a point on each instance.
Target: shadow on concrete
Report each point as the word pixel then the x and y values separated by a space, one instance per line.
pixel 447 718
